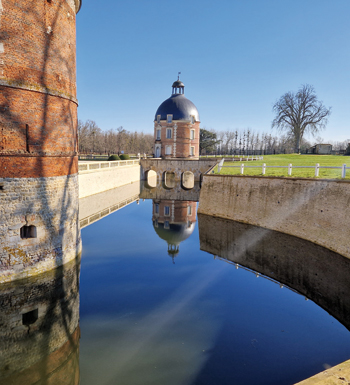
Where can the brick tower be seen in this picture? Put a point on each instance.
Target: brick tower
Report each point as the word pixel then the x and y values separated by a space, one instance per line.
pixel 176 126
pixel 38 136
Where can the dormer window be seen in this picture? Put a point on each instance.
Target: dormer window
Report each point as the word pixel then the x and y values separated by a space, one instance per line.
pixel 192 119
pixel 158 119
pixel 169 118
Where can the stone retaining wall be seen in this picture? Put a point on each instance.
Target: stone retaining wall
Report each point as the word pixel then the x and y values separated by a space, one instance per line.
pixel 317 210
pixel 96 181
pixel 50 207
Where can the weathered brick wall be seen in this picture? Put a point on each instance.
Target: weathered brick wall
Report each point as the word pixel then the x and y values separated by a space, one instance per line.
pixel 37 85
pixel 317 210
pixel 39 43
pixel 49 204
pixel 49 346
pixel 35 167
pixel 36 124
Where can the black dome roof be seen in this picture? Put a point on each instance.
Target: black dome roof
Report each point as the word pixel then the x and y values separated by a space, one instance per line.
pixel 176 233
pixel 179 106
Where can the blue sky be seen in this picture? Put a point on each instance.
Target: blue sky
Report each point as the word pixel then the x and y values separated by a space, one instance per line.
pixel 236 59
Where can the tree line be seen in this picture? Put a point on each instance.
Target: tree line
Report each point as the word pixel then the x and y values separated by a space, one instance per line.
pixel 92 140
pixel 248 142
pixel 296 113
pixel 245 142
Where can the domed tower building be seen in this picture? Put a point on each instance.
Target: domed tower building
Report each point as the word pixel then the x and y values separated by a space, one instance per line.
pixel 39 228
pixel 176 126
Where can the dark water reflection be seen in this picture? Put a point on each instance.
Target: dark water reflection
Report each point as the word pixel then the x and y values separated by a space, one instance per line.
pixel 319 274
pixel 190 319
pixel 39 329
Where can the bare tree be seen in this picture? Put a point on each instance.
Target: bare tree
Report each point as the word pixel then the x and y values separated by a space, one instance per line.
pixel 220 135
pixel 93 140
pixel 299 113
pixel 228 138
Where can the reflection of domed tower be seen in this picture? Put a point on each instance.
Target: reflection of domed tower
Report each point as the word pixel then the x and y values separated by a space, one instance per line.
pixel 174 221
pixel 39 227
pixel 176 126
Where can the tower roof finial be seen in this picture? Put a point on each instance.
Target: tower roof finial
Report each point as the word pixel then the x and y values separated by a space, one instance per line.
pixel 178 86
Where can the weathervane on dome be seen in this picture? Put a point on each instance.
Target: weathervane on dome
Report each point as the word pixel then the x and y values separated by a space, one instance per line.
pixel 178 75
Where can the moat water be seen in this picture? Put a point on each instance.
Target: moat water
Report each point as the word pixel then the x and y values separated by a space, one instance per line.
pixel 156 309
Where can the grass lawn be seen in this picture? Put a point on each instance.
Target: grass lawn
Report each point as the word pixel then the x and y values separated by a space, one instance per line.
pixel 295 160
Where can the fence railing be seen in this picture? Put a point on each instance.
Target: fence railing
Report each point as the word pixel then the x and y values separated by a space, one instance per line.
pixel 290 167
pixel 235 158
pixel 104 157
pixel 103 165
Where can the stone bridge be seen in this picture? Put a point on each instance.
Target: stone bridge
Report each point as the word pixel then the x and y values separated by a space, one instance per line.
pixel 177 167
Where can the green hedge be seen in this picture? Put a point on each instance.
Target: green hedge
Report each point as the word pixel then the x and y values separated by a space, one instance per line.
pixel 114 157
pixel 124 157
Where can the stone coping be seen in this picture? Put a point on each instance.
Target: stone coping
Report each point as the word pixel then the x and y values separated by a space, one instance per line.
pixel 336 375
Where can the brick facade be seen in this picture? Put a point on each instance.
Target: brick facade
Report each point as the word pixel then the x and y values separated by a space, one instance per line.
pixel 34 167
pixel 180 140
pixel 37 81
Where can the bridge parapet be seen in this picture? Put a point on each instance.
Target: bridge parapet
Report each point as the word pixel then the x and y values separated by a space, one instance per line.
pixel 97 177
pixel 98 166
pixel 177 166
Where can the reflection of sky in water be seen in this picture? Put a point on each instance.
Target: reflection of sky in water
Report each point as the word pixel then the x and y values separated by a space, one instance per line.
pixel 200 321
